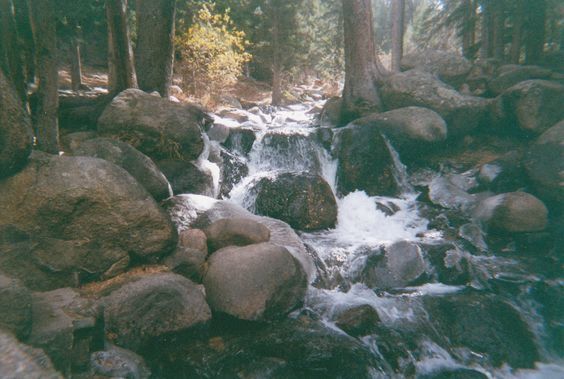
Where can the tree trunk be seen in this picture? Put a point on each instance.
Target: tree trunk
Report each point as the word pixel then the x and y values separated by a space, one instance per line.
pixel 276 61
pixel 120 55
pixel 469 28
pixel 10 58
pixel 360 95
pixel 498 30
pixel 516 32
pixel 398 12
pixel 154 53
pixel 23 26
pixel 536 11
pixel 76 65
pixel 487 30
pixel 46 113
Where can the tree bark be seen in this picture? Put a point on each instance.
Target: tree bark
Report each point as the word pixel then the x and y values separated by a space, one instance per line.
pixel 518 17
pixel 536 11
pixel 360 94
pixel 276 61
pixel 120 55
pixel 154 53
pixel 25 34
pixel 486 37
pixel 469 28
pixel 76 65
pixel 46 121
pixel 398 12
pixel 498 30
pixel 10 58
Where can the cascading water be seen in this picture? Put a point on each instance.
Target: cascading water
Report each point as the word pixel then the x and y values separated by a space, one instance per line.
pixel 367 226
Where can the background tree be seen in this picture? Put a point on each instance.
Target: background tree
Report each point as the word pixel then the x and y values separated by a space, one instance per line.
pixel 154 52
pixel 398 12
pixel 120 54
pixel 10 57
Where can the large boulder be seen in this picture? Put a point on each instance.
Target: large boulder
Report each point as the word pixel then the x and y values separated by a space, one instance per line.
pixel 450 67
pixel 155 126
pixel 187 177
pixel 533 106
pixel 304 201
pixel 20 361
pixel 236 231
pixel 411 130
pixel 15 130
pixel 510 75
pixel 190 255
pixel 140 166
pixel 151 306
pixel 254 282
pixel 67 220
pixel 513 212
pixel 15 307
pixel 462 113
pixel 365 162
pixel 331 112
pixel 544 163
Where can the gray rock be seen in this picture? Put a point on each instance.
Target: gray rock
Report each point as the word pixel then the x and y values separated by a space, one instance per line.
pixel 236 231
pixel 240 140
pixel 19 361
pixel 254 282
pixel 15 307
pixel 513 212
pixel 80 218
pixel 358 320
pixel 504 174
pixel 233 169
pixel 450 67
pixel 15 130
pixel 153 305
pixel 331 112
pixel 115 362
pixel 304 201
pixel 187 177
pixel 157 127
pixel 462 113
pixel 140 166
pixel 190 255
pixel 73 141
pixel 218 132
pixel 510 75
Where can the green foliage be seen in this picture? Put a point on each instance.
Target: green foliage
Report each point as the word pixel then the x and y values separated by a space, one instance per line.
pixel 211 51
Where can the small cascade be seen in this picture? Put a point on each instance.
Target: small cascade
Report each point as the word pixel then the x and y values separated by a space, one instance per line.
pixel 400 171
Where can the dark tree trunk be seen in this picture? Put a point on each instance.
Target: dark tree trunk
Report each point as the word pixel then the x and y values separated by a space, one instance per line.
pixel 120 55
pixel 536 11
pixel 518 17
pixel 10 58
pixel 154 54
pixel 25 35
pixel 398 12
pixel 467 28
pixel 276 61
pixel 360 95
pixel 498 30
pixel 45 116
pixel 76 65
pixel 486 38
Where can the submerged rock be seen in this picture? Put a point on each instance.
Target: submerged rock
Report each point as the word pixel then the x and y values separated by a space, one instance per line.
pixel 358 321
pixel 304 201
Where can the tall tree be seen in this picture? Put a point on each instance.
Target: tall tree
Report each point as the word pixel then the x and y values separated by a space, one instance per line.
pixel 360 94
pixel 517 26
pixel 25 35
pixel 534 43
pixel 154 53
pixel 498 31
pixel 398 13
pixel 46 113
pixel 120 54
pixel 10 58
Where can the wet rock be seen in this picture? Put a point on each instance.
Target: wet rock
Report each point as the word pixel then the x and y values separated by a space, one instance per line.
pixel 80 218
pixel 218 132
pixel 444 192
pixel 453 373
pixel 241 140
pixel 65 325
pixel 510 75
pixel 294 152
pixel 400 265
pixel 115 362
pixel 304 201
pixel 15 130
pixel 358 321
pixel 187 177
pixel 21 361
pixel 236 231
pixel 140 166
pixel 153 305
pixel 452 265
pixel 233 169
pixel 190 255
pixel 504 174
pixel 485 325
pixel 450 67
pixel 533 105
pixel 365 163
pixel 254 282
pixel 462 113
pixel 331 112
pixel 235 114
pixel 157 127
pixel 15 307
pixel 544 163
pixel 513 212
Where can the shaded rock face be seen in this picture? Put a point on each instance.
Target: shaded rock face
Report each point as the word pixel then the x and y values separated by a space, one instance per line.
pixel 233 169
pixel 486 326
pixel 15 307
pixel 190 255
pixel 21 361
pixel 544 163
pixel 304 201
pixel 15 130
pixel 358 321
pixel 67 220
pixel 236 231
pixel 241 140
pixel 331 112
pixel 462 113
pixel 140 166
pixel 365 162
pixel 152 306
pixel 513 212
pixel 533 105
pixel 157 127
pixel 452 68
pixel 505 174
pixel 187 177
pixel 510 75
pixel 254 282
